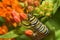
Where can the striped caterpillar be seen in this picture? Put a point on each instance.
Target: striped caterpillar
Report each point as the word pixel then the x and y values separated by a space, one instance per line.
pixel 38 26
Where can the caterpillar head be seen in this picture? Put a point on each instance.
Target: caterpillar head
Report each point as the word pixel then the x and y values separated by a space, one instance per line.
pixel 30 16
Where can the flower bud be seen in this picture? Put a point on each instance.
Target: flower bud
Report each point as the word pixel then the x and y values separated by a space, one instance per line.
pixel 29 32
pixel 30 2
pixel 23 16
pixel 16 19
pixel 14 13
pixel 41 14
pixel 36 3
pixel 48 14
pixel 30 8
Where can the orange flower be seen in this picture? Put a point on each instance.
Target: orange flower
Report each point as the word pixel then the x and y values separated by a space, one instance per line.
pixel 19 10
pixel 6 8
pixel 6 2
pixel 3 29
pixel 1 32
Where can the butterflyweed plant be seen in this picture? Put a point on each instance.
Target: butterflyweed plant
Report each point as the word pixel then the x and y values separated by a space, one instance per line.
pixel 29 19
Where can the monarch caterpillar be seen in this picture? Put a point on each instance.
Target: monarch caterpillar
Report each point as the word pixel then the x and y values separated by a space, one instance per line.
pixel 38 26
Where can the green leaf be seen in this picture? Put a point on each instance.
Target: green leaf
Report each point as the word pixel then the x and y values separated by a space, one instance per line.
pixel 59 2
pixel 23 37
pixel 2 20
pixel 55 7
pixel 56 18
pixel 20 30
pixel 22 4
pixel 57 34
pixel 54 26
pixel 10 34
pixel 37 15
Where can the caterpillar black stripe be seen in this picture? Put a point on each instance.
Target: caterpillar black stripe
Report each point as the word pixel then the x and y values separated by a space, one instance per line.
pixel 37 25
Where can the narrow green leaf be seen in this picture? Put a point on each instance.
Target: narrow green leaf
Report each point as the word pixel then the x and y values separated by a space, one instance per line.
pixel 55 7
pixel 10 34
pixel 59 2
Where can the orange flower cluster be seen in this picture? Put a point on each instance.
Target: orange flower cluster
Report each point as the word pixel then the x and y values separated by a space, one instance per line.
pixel 3 29
pixel 7 6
